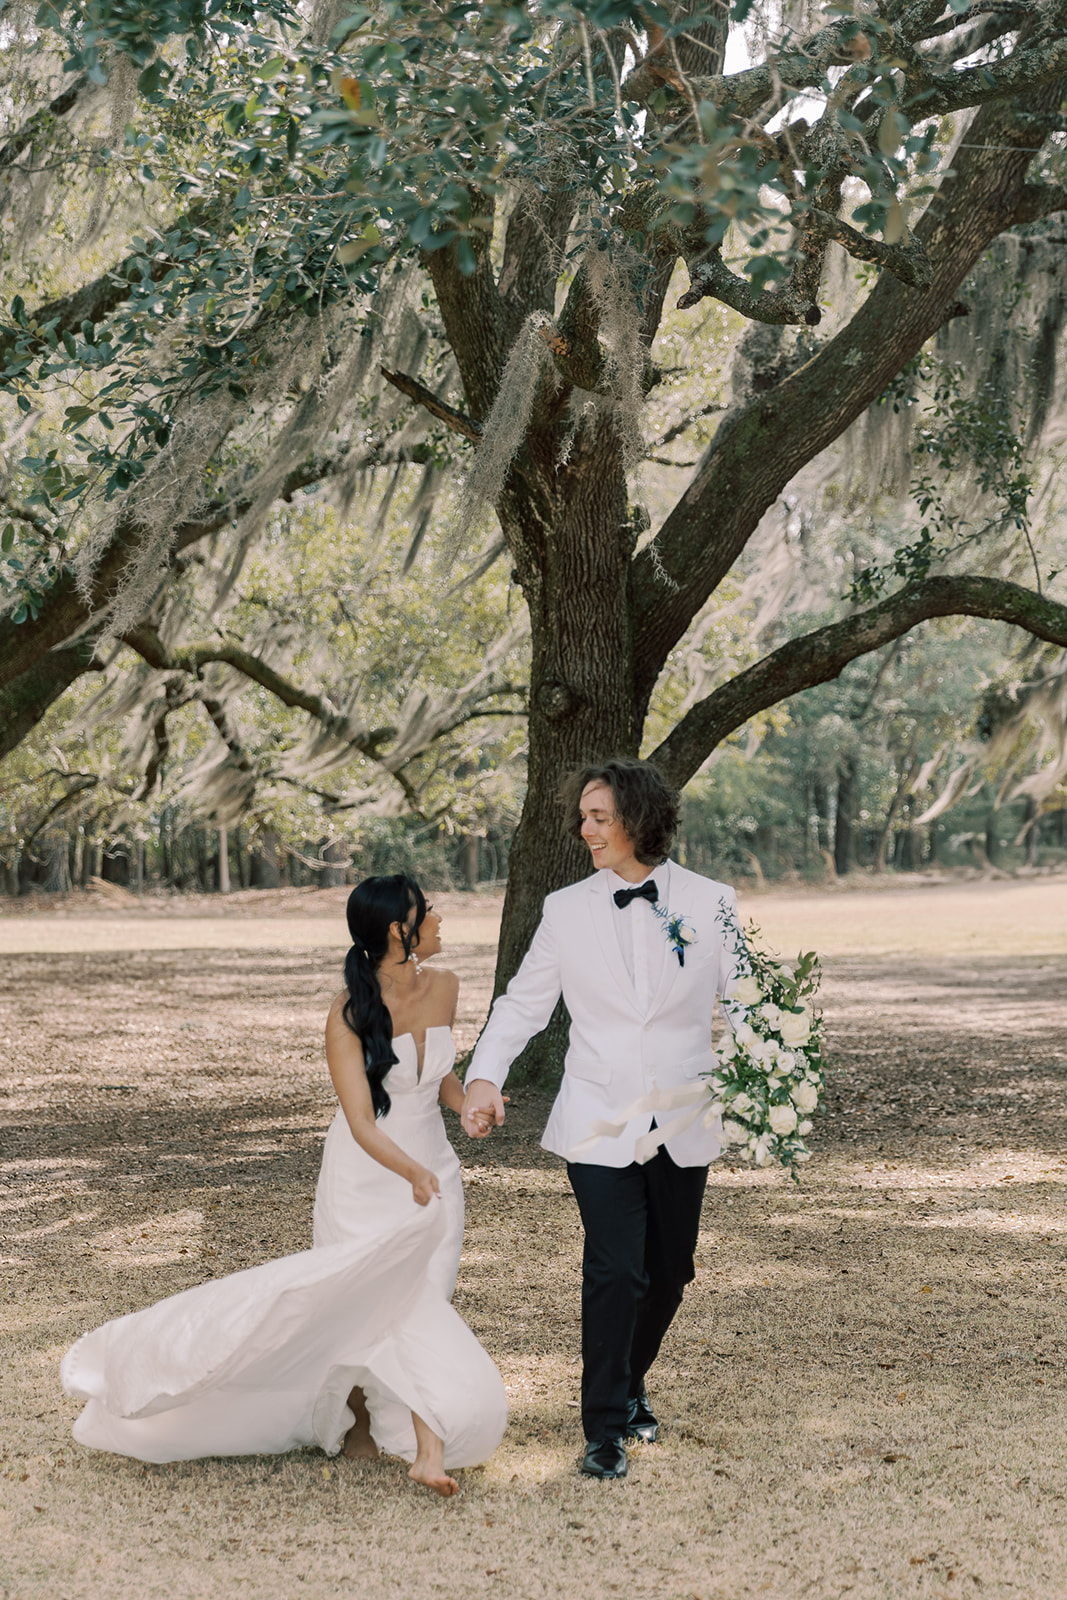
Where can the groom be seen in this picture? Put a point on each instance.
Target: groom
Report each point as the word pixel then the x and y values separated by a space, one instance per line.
pixel 638 950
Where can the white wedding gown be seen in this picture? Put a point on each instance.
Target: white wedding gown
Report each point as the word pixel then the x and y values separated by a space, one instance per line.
pixel 263 1361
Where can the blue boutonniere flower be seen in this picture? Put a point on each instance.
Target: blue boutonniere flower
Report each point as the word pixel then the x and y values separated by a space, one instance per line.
pixel 680 933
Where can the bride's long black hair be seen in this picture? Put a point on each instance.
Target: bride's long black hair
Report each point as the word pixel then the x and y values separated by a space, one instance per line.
pixel 373 906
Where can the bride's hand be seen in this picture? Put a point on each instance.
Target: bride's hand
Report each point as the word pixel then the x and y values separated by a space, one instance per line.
pixel 424 1186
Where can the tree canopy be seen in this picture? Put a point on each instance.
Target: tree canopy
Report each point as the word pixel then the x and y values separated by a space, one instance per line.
pixel 258 254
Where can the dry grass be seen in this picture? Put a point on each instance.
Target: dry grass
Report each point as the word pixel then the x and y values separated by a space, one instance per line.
pixel 863 1394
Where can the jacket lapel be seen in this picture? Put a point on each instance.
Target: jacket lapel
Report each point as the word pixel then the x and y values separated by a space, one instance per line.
pixel 679 904
pixel 604 925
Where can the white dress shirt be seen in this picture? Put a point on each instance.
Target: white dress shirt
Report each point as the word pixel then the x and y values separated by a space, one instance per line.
pixel 641 934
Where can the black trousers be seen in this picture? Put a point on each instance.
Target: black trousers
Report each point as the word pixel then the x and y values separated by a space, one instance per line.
pixel 641 1225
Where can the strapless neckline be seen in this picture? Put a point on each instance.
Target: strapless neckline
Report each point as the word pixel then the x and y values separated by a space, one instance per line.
pixel 420 1063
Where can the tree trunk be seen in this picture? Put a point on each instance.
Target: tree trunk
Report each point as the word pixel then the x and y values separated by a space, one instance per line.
pixel 266 868
pixel 581 702
pixel 24 700
pixel 115 865
pixel 57 870
pixel 334 853
pixel 992 843
pixel 844 824
pixel 910 849
pixel 907 777
pixel 468 860
pixel 821 799
pixel 222 860
pixel 1033 830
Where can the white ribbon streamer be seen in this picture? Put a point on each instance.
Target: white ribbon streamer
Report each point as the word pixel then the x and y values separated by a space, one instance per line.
pixel 690 1098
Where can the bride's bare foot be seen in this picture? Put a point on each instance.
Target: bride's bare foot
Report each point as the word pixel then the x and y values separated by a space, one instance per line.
pixel 429 1467
pixel 359 1446
pixel 435 1478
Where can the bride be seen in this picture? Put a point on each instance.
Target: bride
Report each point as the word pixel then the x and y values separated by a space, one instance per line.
pixel 354 1343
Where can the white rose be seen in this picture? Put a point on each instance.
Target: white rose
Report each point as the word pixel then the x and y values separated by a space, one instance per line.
pixel 794 1028
pixel 783 1119
pixel 805 1097
pixel 765 1050
pixel 733 1132
pixel 805 1127
pixel 741 1103
pixel 771 1014
pixel 745 1036
pixel 746 990
pixel 786 1061
pixel 762 1153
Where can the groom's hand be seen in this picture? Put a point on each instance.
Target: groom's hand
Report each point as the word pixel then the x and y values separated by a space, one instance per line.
pixel 483 1108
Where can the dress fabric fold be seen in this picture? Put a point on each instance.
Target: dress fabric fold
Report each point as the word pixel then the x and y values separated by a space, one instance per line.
pixel 262 1361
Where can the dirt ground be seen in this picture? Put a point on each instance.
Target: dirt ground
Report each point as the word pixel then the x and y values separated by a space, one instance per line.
pixel 863 1394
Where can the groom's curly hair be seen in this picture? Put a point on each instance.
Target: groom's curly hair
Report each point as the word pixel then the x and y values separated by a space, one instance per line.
pixel 646 804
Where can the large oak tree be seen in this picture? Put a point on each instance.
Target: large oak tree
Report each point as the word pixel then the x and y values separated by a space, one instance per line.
pixel 547 168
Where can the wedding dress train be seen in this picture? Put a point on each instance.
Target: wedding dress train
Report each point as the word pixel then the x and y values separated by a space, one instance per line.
pixel 263 1361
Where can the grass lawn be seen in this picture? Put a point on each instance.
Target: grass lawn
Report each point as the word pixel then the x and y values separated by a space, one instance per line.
pixel 863 1394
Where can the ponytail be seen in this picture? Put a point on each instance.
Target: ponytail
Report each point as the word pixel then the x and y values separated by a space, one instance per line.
pixel 373 906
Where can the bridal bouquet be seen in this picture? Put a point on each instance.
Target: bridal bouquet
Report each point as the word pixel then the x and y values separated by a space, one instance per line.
pixel 771 1069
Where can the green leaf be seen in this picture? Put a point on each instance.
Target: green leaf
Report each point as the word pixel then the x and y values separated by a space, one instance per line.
pixel 152 77
pixel 76 415
pixel 349 25
pixel 19 615
pixel 7 538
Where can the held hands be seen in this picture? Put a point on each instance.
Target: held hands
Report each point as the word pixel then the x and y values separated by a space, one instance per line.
pixel 424 1186
pixel 483 1108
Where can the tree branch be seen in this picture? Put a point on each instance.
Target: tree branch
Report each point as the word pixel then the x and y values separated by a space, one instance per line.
pixel 66 610
pixel 96 300
pixel 740 94
pixel 28 514
pixel 458 421
pixel 711 276
pixel 26 697
pixel 150 647
pixel 822 655
pixel 471 308
pixel 1039 200
pixel 1041 60
pixel 65 101
pixel 761 445
pixel 1014 10
pixel 907 261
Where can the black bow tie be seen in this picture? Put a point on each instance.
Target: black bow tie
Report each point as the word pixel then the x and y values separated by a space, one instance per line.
pixel 647 891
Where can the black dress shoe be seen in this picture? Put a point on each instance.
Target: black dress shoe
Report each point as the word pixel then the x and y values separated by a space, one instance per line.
pixel 641 1421
pixel 605 1458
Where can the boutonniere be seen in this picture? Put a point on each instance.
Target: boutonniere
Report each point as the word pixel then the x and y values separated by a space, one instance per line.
pixel 680 933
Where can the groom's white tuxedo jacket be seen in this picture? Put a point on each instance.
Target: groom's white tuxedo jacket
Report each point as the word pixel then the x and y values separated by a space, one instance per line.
pixel 618 1052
